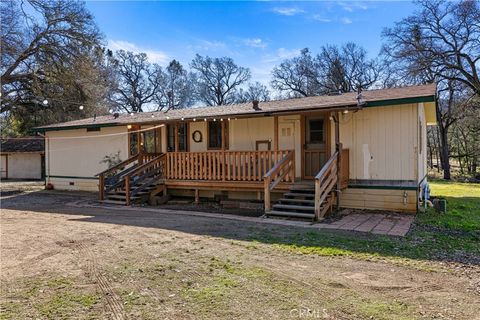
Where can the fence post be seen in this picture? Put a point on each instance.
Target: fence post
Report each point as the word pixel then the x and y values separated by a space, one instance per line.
pixel 101 186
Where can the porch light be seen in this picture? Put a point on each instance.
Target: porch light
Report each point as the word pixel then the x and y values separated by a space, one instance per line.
pixel 205 119
pixel 183 118
pixel 221 119
pixel 345 111
pixel 214 119
pixel 194 119
pixel 228 119
pixel 129 126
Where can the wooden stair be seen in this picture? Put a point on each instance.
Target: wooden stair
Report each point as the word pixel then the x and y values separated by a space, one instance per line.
pixel 133 181
pixel 298 202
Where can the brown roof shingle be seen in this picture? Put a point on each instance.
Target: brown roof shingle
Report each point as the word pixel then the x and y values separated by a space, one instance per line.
pixel 246 109
pixel 25 144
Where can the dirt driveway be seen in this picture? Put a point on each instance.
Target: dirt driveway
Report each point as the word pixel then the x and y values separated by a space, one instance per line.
pixel 59 261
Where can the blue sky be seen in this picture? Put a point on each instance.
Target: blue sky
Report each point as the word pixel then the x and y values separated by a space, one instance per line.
pixel 258 35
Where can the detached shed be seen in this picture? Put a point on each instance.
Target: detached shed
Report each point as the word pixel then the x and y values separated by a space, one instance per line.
pixel 22 158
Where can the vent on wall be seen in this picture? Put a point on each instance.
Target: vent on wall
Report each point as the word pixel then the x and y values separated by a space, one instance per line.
pixel 71 183
pixel 93 129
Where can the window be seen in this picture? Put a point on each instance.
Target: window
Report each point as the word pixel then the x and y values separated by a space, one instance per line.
pixel 214 135
pixel 170 137
pixel 182 137
pixel 149 141
pixel 133 143
pixel 316 131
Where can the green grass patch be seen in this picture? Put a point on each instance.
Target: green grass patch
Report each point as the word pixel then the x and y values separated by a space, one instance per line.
pixel 453 236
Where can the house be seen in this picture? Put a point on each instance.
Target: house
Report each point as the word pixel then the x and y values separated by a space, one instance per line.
pixel 22 158
pixel 299 156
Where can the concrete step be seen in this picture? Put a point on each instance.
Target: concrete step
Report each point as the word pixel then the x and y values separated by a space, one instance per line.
pixel 287 207
pixel 290 214
pixel 120 197
pixel 113 202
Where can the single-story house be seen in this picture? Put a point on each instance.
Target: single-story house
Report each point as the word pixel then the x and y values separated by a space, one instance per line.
pixel 299 156
pixel 22 158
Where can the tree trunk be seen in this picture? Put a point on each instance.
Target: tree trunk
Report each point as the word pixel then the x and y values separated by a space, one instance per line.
pixel 444 151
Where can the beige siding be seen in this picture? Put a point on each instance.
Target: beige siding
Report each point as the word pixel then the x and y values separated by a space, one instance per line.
pixel 3 165
pixel 74 184
pixel 78 154
pixel 422 142
pixel 243 133
pixel 202 127
pixel 22 166
pixel 382 142
pixel 379 199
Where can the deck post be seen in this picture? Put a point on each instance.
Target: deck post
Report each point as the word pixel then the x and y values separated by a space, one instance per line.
pixel 101 186
pixel 127 190
pixel 266 196
pixel 317 200
pixel 197 196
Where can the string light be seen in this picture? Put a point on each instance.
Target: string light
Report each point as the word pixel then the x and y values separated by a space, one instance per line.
pixel 194 119
pixel 45 102
pixel 81 107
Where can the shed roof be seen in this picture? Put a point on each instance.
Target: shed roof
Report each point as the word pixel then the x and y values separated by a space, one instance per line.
pixel 411 94
pixel 22 145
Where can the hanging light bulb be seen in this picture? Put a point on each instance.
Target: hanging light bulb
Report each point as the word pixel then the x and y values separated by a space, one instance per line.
pixel 45 102
pixel 81 107
pixel 183 118
pixel 194 119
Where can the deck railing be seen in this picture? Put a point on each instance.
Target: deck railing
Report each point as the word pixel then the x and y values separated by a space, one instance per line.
pixel 325 182
pixel 283 170
pixel 222 165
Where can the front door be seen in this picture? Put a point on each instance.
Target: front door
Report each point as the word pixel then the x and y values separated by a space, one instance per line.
pixel 315 148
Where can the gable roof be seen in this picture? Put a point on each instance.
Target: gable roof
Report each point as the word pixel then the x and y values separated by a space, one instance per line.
pixel 22 145
pixel 411 94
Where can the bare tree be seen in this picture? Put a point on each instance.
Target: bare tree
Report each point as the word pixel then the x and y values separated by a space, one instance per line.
pixel 136 81
pixel 297 76
pixel 443 37
pixel 218 79
pixel 254 91
pixel 52 35
pixel 345 69
pixel 334 69
pixel 175 87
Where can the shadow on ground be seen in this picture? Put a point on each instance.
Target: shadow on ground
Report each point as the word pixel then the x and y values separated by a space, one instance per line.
pixel 422 242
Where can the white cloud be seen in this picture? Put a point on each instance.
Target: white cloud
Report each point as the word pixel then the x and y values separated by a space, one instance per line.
pixel 346 20
pixel 154 56
pixel 285 11
pixel 255 43
pixel 352 5
pixel 281 54
pixel 207 45
pixel 320 18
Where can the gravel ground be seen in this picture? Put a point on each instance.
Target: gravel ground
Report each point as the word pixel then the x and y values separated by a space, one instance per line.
pixel 60 261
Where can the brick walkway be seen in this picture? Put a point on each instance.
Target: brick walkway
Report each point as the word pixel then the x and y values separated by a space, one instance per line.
pixel 389 224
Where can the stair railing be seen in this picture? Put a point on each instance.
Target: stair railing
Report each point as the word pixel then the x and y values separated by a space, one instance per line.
pixel 143 176
pixel 283 170
pixel 325 182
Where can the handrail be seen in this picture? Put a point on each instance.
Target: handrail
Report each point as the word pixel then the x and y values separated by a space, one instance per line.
pixel 119 165
pixel 326 166
pixel 325 181
pixel 144 166
pixel 286 166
